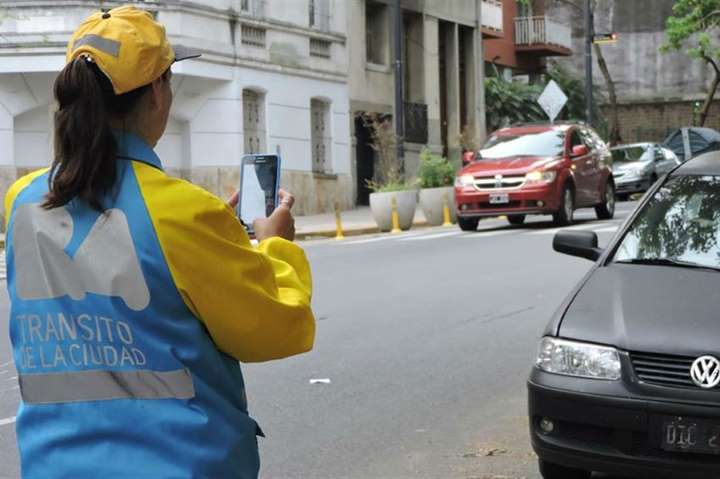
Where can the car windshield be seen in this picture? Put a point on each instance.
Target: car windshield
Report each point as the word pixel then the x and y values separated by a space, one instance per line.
pixel 545 143
pixel 629 155
pixel 679 226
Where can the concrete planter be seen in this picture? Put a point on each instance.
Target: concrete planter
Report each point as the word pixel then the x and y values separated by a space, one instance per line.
pixel 381 208
pixel 432 201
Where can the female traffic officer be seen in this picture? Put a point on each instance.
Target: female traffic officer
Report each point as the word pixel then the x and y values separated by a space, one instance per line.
pixel 134 294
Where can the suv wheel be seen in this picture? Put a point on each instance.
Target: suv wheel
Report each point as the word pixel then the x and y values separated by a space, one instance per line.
pixel 468 224
pixel 564 215
pixel 548 470
pixel 516 219
pixel 606 209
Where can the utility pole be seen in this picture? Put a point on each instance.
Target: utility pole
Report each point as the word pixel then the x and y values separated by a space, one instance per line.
pixel 399 103
pixel 589 32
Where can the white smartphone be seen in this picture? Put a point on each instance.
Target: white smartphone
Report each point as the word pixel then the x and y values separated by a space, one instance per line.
pixel 259 186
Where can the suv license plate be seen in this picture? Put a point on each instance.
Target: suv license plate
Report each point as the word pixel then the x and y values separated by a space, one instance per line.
pixel 690 435
pixel 499 198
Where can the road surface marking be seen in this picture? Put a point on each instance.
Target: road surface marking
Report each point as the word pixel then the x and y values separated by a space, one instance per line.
pixel 6 363
pixel 582 227
pixel 429 237
pixel 7 420
pixel 369 240
pixel 487 234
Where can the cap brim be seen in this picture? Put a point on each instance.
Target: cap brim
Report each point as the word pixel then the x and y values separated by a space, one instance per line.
pixel 185 53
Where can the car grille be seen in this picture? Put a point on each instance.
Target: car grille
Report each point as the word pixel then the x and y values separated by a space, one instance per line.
pixel 663 369
pixel 496 183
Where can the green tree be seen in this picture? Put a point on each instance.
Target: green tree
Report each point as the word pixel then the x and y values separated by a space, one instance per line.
pixel 690 29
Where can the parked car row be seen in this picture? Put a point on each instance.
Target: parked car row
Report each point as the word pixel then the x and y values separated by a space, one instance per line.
pixel 554 169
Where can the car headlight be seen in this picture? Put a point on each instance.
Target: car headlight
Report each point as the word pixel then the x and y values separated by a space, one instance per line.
pixel 573 358
pixel 464 180
pixel 540 177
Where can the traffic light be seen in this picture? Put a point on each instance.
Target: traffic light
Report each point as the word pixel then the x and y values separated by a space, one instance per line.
pixel 605 38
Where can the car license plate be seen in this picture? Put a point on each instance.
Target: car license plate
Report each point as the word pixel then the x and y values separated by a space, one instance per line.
pixel 690 435
pixel 499 198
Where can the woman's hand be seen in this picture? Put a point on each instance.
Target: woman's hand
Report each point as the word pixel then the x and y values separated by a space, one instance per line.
pixel 233 201
pixel 281 223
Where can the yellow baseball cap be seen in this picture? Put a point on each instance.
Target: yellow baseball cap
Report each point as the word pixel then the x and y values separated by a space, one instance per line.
pixel 128 45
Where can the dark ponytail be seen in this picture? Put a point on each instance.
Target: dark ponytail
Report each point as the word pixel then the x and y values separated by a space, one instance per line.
pixel 85 149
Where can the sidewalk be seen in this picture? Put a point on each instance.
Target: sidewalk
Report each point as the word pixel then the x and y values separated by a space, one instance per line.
pixel 354 222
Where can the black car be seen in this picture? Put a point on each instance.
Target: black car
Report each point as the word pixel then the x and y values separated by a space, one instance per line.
pixel 628 371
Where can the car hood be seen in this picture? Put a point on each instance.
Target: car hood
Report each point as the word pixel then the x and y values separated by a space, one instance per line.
pixel 627 166
pixel 657 309
pixel 515 165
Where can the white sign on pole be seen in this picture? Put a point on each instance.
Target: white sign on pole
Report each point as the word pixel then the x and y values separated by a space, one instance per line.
pixel 552 100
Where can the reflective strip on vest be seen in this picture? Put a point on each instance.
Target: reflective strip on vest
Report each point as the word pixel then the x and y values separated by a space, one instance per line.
pixel 103 385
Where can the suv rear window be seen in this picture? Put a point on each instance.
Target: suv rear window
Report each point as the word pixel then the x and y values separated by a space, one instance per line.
pixel 546 143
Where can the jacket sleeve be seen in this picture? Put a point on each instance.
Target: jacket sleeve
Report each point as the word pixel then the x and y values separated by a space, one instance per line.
pixel 255 302
pixel 15 190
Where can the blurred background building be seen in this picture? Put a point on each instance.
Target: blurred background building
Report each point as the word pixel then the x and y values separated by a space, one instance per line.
pixel 295 76
pixel 273 76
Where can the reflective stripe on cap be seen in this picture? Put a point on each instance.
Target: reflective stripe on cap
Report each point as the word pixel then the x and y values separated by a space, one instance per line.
pixel 102 385
pixel 111 47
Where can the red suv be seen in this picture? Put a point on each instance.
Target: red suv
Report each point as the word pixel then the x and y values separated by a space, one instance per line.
pixel 536 170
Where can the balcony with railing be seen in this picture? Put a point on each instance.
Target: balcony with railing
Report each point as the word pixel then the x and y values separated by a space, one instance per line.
pixel 492 18
pixel 542 36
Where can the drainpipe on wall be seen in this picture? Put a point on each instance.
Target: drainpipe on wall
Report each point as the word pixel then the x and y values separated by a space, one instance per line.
pixel 399 104
pixel 588 62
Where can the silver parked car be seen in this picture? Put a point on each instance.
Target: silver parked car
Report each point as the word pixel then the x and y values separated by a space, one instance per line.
pixel 637 166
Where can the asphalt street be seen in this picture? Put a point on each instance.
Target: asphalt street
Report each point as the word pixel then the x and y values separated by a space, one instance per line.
pixel 424 342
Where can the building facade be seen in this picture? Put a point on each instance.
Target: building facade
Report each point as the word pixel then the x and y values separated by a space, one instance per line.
pixel 273 77
pixel 442 84
pixel 657 92
pixel 520 37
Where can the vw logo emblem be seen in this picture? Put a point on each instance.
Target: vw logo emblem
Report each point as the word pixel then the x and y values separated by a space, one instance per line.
pixel 705 372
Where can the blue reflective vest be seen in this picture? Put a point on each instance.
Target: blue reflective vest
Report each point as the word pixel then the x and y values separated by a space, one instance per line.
pixel 127 326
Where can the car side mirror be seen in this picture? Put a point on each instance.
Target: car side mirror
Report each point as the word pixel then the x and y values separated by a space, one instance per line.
pixel 583 244
pixel 579 150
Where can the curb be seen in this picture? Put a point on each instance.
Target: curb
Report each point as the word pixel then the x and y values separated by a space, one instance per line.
pixel 365 230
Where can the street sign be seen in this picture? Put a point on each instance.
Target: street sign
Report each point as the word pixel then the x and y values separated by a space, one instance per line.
pixel 552 100
pixel 605 38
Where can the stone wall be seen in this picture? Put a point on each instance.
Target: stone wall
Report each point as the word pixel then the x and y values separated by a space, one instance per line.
pixel 313 193
pixel 652 121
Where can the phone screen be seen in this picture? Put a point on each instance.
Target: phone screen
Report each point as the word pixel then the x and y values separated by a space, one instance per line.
pixel 258 187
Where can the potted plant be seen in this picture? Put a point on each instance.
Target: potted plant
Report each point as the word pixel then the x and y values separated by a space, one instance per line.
pixel 436 176
pixel 389 185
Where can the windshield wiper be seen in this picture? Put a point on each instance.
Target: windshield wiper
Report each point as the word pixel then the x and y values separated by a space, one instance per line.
pixel 668 262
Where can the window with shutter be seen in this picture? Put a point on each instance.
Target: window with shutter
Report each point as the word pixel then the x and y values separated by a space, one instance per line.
pixel 254 121
pixel 321 135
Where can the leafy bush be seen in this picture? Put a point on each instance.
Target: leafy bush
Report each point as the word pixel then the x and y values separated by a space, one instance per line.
pixel 511 102
pixel 386 187
pixel 435 171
